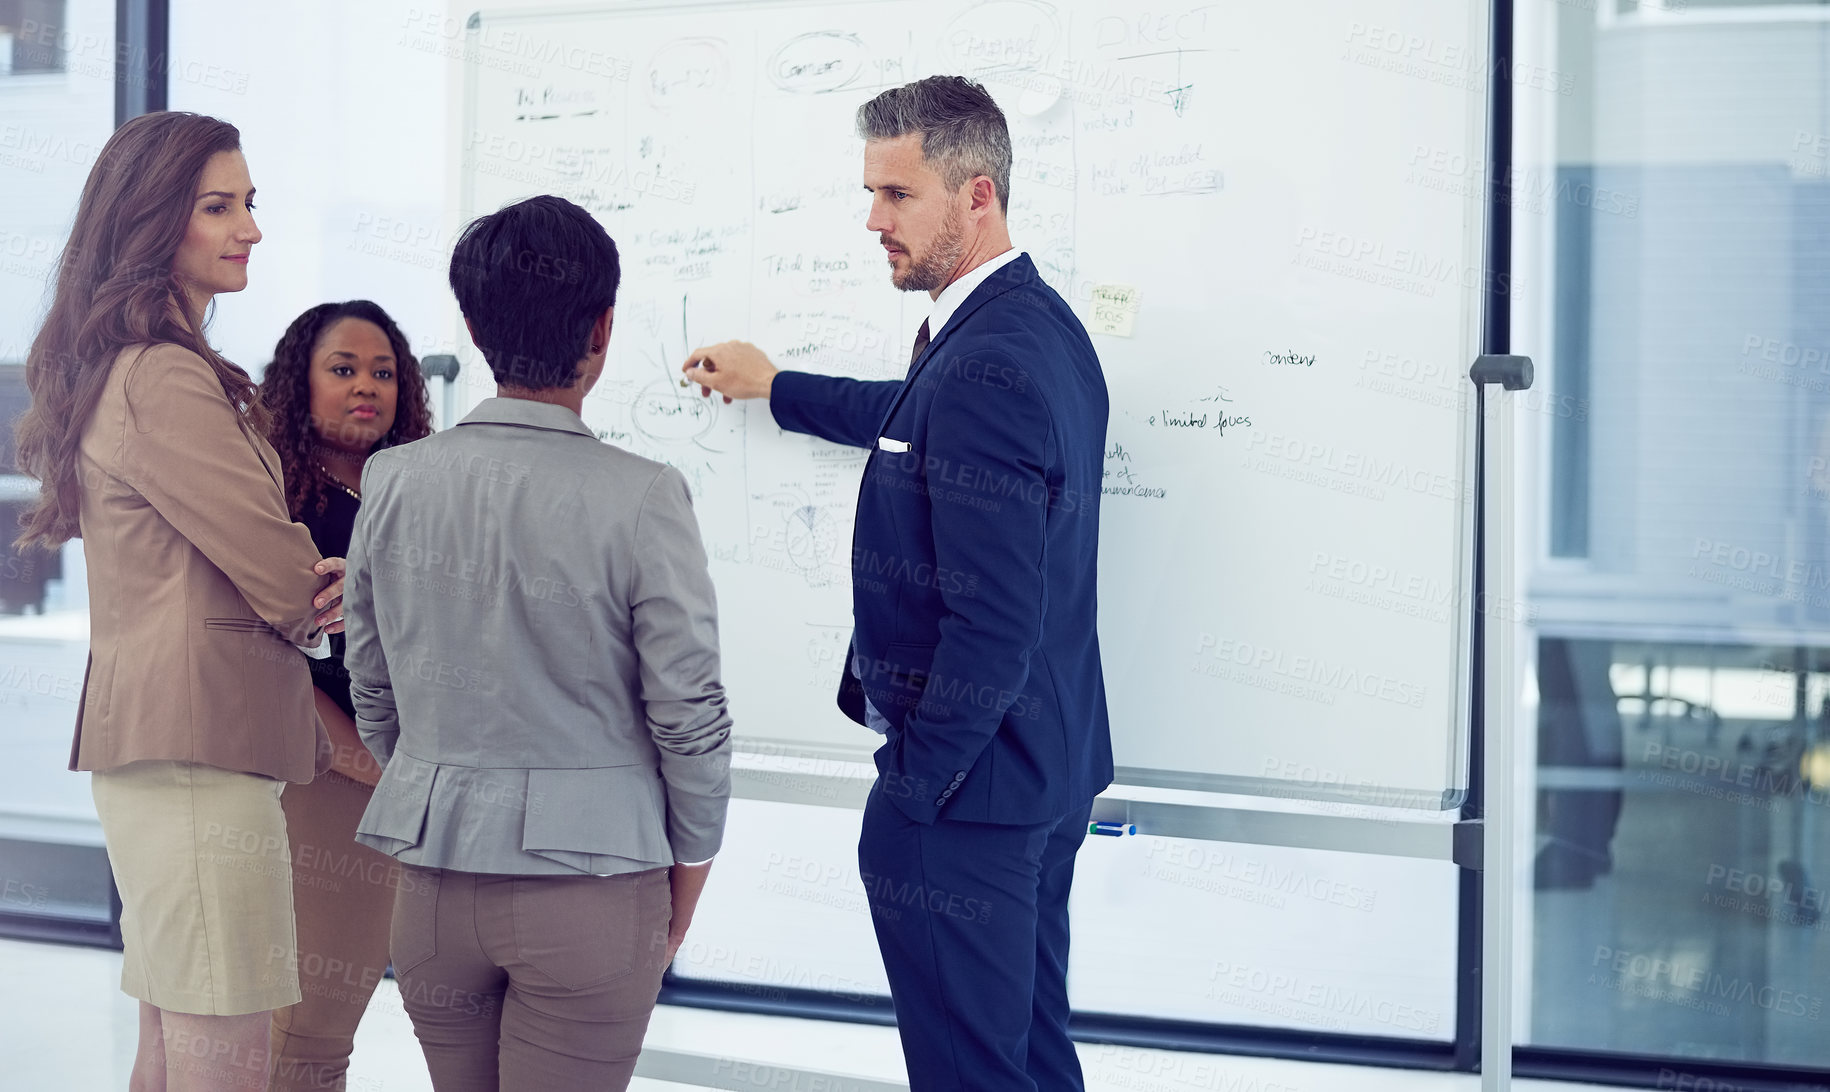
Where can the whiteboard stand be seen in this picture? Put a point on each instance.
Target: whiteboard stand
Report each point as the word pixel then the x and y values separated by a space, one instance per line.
pixel 1496 377
pixel 1484 844
pixel 443 366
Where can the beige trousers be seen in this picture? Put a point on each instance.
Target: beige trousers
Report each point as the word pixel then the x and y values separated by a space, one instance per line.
pixel 343 898
pixel 530 983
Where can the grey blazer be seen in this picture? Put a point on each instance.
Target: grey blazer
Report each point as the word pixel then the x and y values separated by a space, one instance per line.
pixel 533 652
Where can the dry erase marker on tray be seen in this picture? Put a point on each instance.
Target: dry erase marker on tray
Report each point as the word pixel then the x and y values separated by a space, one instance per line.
pixel 1114 830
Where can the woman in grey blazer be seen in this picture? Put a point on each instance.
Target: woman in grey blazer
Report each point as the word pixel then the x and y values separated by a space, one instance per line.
pixel 533 659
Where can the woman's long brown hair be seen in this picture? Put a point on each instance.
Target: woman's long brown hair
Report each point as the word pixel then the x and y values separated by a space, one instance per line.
pixel 116 288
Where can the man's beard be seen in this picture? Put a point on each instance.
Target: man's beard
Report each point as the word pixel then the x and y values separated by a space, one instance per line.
pixel 932 270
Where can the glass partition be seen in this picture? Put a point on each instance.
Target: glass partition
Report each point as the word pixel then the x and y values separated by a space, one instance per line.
pixel 56 111
pixel 1678 549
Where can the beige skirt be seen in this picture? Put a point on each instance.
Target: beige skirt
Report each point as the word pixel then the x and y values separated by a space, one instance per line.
pixel 200 857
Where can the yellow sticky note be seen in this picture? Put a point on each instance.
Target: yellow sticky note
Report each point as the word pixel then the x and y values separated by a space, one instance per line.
pixel 1114 309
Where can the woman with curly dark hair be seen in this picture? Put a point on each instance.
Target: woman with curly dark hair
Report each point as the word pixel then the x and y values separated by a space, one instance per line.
pixel 343 384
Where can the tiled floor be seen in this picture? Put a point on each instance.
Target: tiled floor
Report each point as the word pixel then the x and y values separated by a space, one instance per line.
pixel 66 1027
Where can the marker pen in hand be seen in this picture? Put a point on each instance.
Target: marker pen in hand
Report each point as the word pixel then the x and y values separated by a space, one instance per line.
pixel 708 366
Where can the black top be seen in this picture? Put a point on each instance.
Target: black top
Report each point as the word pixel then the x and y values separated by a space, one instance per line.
pixel 330 532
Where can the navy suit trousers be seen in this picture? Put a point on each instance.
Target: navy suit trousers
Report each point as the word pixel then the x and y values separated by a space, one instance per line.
pixel 972 920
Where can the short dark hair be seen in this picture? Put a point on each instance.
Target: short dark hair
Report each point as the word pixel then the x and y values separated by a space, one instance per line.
pixel 531 278
pixel 963 133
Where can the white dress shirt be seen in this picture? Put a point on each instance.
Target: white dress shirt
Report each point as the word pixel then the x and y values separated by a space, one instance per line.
pixel 955 294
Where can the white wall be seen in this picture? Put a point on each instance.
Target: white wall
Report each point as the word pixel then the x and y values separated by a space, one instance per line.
pixel 344 124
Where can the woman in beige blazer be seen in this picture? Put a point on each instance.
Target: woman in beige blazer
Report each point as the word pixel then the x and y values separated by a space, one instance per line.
pixel 197 705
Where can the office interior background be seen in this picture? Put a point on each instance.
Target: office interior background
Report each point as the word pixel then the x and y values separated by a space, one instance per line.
pixel 1668 206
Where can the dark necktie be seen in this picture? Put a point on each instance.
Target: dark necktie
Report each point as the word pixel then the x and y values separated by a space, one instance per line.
pixel 921 342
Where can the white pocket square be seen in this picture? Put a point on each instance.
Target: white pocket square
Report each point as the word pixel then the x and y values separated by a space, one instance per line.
pixel 898 446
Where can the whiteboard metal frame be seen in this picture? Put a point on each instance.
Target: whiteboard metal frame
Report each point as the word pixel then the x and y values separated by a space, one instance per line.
pixel 1474 243
pixel 1418 839
pixel 690 1068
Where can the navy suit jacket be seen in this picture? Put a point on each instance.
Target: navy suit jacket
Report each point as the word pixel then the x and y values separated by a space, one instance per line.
pixel 974 558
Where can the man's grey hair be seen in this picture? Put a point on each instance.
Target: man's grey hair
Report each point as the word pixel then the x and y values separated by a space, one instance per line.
pixel 963 133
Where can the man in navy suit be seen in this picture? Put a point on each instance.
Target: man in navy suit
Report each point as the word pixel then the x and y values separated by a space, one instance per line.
pixel 973 565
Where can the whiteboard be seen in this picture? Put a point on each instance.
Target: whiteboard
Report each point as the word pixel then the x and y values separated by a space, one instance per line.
pixel 1269 216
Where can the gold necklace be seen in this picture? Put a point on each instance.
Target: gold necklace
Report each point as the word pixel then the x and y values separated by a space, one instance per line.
pixel 334 480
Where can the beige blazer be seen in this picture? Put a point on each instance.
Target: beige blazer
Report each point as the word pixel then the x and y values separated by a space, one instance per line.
pixel 199 581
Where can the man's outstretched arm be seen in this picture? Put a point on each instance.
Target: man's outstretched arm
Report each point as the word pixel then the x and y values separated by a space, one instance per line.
pixel 845 411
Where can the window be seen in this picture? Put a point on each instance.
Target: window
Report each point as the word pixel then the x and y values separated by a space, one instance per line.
pixel 1677 200
pixel 52 125
pixel 33 36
